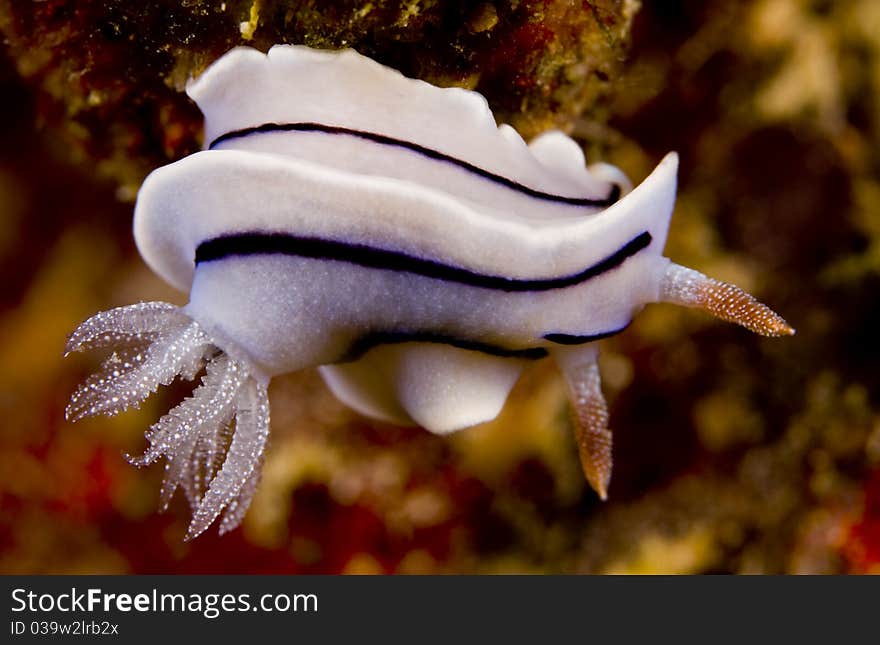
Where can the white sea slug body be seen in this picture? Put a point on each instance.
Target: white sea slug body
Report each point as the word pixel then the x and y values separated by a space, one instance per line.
pixel 386 230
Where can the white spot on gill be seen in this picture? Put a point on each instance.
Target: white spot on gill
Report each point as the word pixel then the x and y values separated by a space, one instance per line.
pixel 214 440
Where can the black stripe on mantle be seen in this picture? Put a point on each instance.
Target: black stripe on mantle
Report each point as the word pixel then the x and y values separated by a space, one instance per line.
pixel 612 197
pixel 575 339
pixel 374 339
pixel 246 244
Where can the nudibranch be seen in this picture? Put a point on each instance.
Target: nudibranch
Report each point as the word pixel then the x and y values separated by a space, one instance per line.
pixel 388 232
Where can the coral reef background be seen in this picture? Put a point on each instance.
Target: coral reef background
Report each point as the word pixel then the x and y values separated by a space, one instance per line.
pixel 733 453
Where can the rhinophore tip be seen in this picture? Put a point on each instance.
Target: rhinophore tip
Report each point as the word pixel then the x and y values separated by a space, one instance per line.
pixel 594 441
pixel 683 286
pixel 590 416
